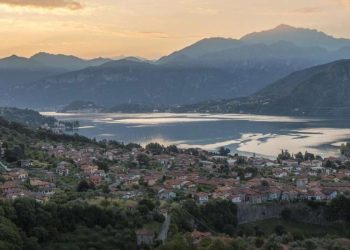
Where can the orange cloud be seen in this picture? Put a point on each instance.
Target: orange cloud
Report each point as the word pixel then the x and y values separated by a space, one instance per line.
pixel 306 10
pixel 49 4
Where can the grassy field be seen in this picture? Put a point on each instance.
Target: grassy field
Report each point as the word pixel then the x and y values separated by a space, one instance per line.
pixel 308 230
pixel 120 202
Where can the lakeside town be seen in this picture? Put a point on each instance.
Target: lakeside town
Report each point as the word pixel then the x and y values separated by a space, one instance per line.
pixel 171 173
pixel 167 184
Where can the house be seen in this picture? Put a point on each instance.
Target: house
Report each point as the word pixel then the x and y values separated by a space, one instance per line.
pixel 280 173
pixel 302 182
pixel 39 183
pixel 315 194
pixel 252 197
pixel 235 198
pixel 89 169
pixel 291 163
pixel 330 194
pixel 174 184
pixel 202 198
pixel 100 173
pixel 8 186
pixel 62 170
pixel 248 175
pixel 15 193
pixel 166 194
pixel 46 191
pixel 18 174
pixel 25 163
pixel 42 187
pixel 96 180
pixel 273 194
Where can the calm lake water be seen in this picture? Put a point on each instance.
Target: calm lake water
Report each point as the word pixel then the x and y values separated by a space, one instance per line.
pixel 264 135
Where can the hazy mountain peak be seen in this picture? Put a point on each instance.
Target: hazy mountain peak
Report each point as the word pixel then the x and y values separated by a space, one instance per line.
pixel 200 48
pixel 17 62
pixel 49 55
pixel 299 36
pixel 14 57
pixel 284 27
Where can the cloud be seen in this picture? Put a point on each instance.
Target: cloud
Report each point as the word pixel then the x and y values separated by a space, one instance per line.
pixel 346 3
pixel 341 3
pixel 306 10
pixel 47 4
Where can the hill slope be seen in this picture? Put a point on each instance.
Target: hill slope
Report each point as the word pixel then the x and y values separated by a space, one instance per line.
pixel 321 90
pixel 126 81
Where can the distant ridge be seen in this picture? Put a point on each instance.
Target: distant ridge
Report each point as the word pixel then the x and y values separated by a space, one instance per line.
pixel 298 36
pixel 318 91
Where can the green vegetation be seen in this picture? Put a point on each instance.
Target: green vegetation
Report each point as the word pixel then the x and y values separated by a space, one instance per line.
pixel 280 226
pixel 26 224
pixel 28 117
pixel 215 216
pixel 345 149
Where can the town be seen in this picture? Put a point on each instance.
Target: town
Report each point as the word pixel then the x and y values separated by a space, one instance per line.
pixel 165 190
pixel 169 173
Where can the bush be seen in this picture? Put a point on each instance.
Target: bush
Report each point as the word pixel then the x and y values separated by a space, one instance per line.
pixel 286 214
pixel 280 230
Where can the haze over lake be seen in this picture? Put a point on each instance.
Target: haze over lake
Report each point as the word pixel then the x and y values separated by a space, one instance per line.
pixel 265 135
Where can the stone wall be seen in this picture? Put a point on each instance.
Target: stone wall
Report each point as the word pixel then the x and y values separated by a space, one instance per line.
pixel 247 213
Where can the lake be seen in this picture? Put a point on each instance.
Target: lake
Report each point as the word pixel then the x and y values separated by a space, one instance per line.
pixel 246 134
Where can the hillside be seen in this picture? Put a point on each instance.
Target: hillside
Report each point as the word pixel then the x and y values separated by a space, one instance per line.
pixel 66 62
pixel 26 117
pixel 16 70
pixel 126 81
pixel 322 90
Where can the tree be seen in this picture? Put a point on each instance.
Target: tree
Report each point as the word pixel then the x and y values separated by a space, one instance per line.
pixel 299 156
pixel 176 243
pixel 105 189
pixel 280 230
pixel 102 165
pixel 148 203
pixel 218 214
pixel 143 159
pixel 172 149
pixel 224 151
pixel 284 155
pixel 14 154
pixel 155 148
pixel 9 235
pixel 309 156
pixel 286 214
pixel 272 245
pixel 345 149
pixel 84 186
pixel 217 244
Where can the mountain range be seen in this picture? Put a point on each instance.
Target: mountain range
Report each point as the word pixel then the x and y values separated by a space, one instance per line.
pixel 210 69
pixel 16 70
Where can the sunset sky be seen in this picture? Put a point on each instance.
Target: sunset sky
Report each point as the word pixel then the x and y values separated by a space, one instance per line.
pixel 152 28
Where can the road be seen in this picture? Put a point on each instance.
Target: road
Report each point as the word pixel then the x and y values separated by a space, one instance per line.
pixel 163 234
pixel 2 165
